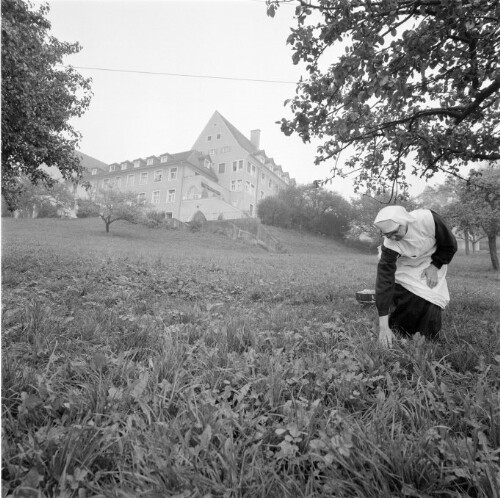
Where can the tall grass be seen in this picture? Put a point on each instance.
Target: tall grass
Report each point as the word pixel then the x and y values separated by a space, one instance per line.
pixel 233 372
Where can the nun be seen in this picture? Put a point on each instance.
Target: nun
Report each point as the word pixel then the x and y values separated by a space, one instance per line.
pixel 411 287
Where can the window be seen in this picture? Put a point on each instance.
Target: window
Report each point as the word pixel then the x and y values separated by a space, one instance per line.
pixel 137 164
pixel 249 167
pixel 212 152
pixel 237 165
pixel 218 136
pixel 118 182
pixel 173 174
pixel 209 138
pixel 254 170
pixel 123 166
pixel 141 198
pixel 262 194
pixel 171 195
pixel 155 199
pixel 158 175
pixel 143 179
pixel 112 168
pixel 168 215
pixel 130 180
pixel 164 158
pixel 94 171
pixel 251 209
pixel 263 176
pixel 150 161
pixel 105 182
pixel 207 163
pixel 222 168
pixel 252 189
pixel 236 185
pixel 225 149
pixel 270 183
pixel 247 186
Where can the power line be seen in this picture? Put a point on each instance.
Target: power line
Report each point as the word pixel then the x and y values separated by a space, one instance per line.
pixel 154 73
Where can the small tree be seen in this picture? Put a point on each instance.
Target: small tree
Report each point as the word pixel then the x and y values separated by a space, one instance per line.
pixel 478 206
pixel 39 200
pixel 115 205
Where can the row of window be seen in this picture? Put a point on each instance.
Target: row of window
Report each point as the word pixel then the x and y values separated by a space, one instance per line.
pixel 222 150
pixel 155 196
pixel 237 186
pixel 251 169
pixel 143 178
pixel 209 138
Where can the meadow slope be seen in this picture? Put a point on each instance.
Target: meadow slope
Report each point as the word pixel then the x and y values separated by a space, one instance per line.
pixel 165 363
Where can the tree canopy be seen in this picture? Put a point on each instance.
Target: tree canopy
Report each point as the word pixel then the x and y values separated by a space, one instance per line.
pixel 477 206
pixel 413 87
pixel 117 205
pixel 39 97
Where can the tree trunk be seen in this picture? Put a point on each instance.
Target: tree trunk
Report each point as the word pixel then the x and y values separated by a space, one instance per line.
pixel 492 244
pixel 466 238
pixel 107 225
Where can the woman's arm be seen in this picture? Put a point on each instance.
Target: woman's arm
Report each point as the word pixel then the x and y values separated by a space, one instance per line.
pixel 445 241
pixel 384 291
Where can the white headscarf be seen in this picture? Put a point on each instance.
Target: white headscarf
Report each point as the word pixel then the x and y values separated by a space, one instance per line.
pixel 390 217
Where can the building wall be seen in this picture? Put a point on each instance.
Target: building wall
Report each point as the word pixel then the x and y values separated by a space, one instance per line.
pixel 224 148
pixel 245 178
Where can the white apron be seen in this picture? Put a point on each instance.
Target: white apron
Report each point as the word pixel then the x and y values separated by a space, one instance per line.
pixel 416 249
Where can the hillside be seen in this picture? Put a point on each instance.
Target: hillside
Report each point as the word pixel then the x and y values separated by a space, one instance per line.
pixel 131 240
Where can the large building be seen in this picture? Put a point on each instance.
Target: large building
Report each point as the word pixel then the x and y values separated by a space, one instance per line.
pixel 223 176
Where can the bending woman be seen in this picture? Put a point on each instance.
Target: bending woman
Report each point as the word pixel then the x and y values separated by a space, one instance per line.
pixel 411 273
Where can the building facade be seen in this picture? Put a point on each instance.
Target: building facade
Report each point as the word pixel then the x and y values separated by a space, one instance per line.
pixel 223 176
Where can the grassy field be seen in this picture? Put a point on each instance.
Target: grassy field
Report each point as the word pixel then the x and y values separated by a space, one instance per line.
pixel 153 363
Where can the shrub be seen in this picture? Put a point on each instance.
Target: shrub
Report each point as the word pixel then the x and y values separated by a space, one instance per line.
pixel 87 209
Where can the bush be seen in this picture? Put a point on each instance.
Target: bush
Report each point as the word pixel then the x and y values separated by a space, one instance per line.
pixel 87 209
pixel 154 219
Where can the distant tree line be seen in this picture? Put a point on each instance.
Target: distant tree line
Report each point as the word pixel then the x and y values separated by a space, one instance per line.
pixel 307 207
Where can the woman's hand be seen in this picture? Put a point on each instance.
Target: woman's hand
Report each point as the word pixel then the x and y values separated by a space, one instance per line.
pixel 385 335
pixel 431 275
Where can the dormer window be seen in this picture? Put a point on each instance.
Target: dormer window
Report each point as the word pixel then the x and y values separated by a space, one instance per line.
pixel 150 161
pixel 94 171
pixel 207 163
pixel 137 164
pixel 164 158
pixel 124 166
pixel 209 138
pixel 112 168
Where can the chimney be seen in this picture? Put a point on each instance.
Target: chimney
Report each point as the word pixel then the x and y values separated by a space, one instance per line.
pixel 255 138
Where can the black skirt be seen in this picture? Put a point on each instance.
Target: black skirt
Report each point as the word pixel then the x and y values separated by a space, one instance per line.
pixel 412 314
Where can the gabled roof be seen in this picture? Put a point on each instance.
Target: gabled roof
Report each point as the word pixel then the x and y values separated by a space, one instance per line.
pixel 90 162
pixel 240 138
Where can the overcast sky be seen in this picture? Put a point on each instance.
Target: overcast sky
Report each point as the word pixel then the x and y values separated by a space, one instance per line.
pixel 136 115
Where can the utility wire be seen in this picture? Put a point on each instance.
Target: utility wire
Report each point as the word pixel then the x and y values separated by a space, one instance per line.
pixel 154 73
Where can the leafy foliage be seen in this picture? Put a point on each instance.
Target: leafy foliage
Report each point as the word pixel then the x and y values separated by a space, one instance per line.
pixel 307 207
pixel 414 86
pixel 42 201
pixel 115 205
pixel 477 206
pixel 38 100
